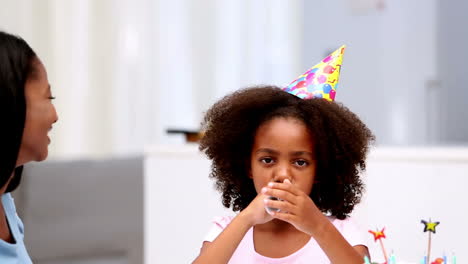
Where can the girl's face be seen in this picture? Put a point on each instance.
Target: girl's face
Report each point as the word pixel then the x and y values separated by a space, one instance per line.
pixel 40 115
pixel 283 149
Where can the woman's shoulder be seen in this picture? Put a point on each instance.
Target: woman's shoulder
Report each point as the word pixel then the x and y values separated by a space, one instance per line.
pixel 8 202
pixel 10 211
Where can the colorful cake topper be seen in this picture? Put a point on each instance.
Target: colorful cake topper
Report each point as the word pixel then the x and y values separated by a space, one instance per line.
pixel 430 226
pixel 378 235
pixel 321 80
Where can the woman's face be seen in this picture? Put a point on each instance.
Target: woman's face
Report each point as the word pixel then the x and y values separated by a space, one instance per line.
pixel 283 149
pixel 40 116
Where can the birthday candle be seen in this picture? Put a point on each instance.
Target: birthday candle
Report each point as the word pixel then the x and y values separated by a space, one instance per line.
pixel 422 261
pixel 454 259
pixel 366 260
pixel 445 259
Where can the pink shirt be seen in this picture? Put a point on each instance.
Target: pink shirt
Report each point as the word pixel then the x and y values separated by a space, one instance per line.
pixel 310 253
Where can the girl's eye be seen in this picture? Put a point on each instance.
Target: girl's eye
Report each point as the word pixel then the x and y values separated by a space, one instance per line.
pixel 301 163
pixel 266 160
pixel 51 97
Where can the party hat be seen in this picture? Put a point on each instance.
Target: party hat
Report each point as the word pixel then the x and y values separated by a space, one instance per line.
pixel 319 81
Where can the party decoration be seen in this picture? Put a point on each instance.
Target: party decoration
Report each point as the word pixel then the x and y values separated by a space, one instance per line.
pixel 378 235
pixel 392 259
pixel 366 260
pixel 438 261
pixel 429 227
pixel 321 80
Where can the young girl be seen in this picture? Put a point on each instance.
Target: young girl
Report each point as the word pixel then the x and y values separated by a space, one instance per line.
pixel 308 154
pixel 27 115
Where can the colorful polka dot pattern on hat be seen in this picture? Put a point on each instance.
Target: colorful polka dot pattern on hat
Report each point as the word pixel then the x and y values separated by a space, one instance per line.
pixel 321 80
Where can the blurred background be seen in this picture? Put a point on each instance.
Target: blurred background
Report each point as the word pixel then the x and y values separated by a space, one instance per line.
pixel 125 72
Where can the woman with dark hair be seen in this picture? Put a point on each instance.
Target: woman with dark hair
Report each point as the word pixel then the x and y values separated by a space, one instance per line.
pixel 27 115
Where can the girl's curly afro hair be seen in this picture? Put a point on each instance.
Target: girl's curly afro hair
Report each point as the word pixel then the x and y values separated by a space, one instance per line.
pixel 341 147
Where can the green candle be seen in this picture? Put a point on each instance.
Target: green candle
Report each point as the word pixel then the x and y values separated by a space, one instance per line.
pixel 366 260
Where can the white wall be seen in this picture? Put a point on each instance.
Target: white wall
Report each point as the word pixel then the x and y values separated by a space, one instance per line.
pixel 391 56
pixel 404 185
pixel 452 40
pixel 123 72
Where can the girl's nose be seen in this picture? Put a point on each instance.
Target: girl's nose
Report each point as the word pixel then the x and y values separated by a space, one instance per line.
pixel 282 173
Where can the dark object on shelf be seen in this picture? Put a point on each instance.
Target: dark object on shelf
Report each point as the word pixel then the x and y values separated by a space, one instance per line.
pixel 190 135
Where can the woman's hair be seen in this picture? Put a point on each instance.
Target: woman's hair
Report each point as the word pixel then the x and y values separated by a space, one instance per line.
pixel 16 66
pixel 341 142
